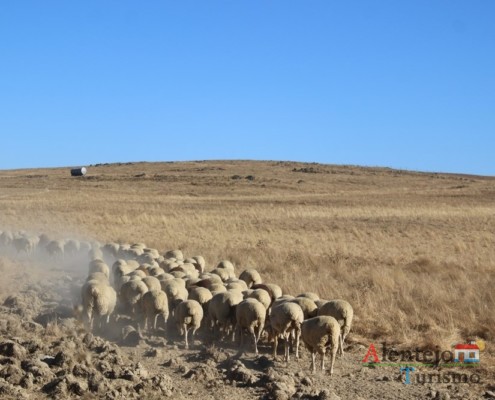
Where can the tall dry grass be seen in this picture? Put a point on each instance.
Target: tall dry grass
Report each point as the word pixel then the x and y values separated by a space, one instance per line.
pixel 413 253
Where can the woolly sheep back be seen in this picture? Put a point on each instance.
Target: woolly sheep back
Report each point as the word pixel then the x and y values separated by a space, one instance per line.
pixel 318 333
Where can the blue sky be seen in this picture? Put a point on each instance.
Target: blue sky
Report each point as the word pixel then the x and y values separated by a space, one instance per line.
pixel 404 84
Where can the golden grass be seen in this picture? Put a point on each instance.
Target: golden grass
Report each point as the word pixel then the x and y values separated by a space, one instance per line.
pixel 412 252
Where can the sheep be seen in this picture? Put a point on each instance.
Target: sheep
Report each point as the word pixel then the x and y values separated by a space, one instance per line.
pixel 224 273
pixel 189 315
pixel 250 315
pixel 274 290
pixel 310 295
pixel 95 253
pixel 177 254
pixel 226 264
pixel 98 265
pixel 221 310
pixel 44 239
pixel 131 292
pixel 342 311
pixel 218 288
pixel 310 309
pixel 152 283
pixel 97 276
pixel 111 249
pixel 25 244
pixel 201 295
pixel 6 238
pixel 251 277
pixel 153 304
pixel 318 334
pixel 262 296
pixel 178 274
pixel 286 319
pixel 145 258
pixel 176 291
pixel 320 303
pixel 153 252
pixel 236 286
pixel 71 247
pixel 137 273
pixel 55 248
pixel 98 299
pixel 200 263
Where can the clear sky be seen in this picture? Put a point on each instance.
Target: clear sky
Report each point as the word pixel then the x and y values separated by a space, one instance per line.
pixel 404 84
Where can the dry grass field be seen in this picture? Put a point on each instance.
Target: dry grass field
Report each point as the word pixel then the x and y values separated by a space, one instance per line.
pixel 414 253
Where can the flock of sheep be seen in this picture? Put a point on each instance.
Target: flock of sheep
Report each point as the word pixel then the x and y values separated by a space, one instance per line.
pixel 175 290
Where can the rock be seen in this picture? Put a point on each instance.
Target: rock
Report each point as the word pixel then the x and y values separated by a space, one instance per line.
pixel 130 336
pixel 27 381
pixel 151 352
pixel 39 369
pixel 57 388
pixel 128 375
pixel 326 394
pixel 12 374
pixel 306 381
pixel 442 395
pixel 489 394
pixel 12 349
pixel 76 386
pixel 236 371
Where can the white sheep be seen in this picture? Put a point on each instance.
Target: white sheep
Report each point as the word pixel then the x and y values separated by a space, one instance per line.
pixel 250 316
pixel 200 263
pixel 153 304
pixel 275 291
pixel 189 314
pixel 55 248
pixel 71 246
pixel 251 277
pixel 310 309
pixel 176 292
pixel 221 311
pixel 226 264
pixel 152 283
pixel 98 265
pixel 202 296
pixel 285 321
pixel 98 299
pixel 310 295
pixel 342 311
pixel 25 244
pixel 224 273
pixel 6 238
pixel 262 296
pixel 131 292
pixel 177 254
pixel 318 334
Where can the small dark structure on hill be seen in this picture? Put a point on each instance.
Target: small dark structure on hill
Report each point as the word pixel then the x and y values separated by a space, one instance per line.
pixel 78 171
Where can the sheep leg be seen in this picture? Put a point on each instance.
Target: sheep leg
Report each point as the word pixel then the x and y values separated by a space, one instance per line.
pixel 155 322
pixel 341 345
pixel 323 360
pixel 275 344
pixel 184 327
pixel 332 358
pixel 313 361
pixel 298 336
pixel 255 341
pixel 286 346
